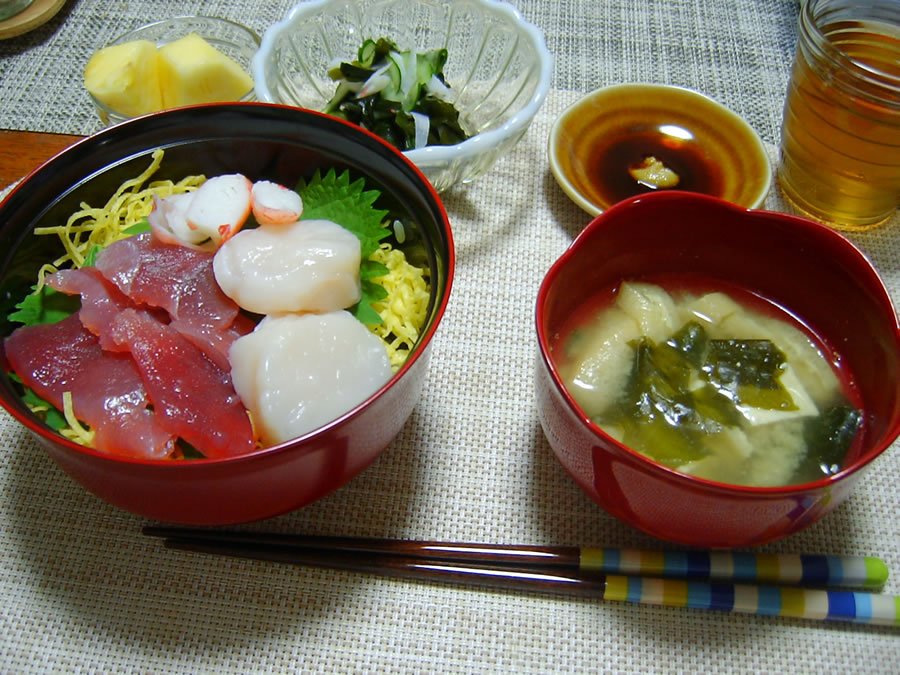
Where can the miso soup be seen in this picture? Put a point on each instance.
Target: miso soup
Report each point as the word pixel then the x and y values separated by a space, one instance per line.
pixel 713 382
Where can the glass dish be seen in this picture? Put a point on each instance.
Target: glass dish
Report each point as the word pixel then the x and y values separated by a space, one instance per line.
pixel 498 68
pixel 232 39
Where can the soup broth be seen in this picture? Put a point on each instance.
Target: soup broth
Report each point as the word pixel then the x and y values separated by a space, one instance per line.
pixel 712 382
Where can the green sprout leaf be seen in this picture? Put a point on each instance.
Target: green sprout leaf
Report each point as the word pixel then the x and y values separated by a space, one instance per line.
pixel 139 227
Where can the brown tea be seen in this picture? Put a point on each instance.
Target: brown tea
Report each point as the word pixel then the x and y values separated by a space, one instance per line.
pixel 840 147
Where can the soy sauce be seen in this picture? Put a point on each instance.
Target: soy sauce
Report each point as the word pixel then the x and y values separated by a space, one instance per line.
pixel 608 161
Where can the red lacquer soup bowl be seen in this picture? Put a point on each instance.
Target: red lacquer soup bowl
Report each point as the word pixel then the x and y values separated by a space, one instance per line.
pixel 803 267
pixel 261 141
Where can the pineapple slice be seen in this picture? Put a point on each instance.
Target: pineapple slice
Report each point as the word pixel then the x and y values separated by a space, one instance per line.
pixel 192 71
pixel 126 77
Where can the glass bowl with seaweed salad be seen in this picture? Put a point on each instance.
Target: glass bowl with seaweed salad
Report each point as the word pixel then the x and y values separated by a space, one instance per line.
pixel 401 96
pixel 479 58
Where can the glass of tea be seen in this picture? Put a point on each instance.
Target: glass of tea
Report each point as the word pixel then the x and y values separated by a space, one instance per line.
pixel 840 136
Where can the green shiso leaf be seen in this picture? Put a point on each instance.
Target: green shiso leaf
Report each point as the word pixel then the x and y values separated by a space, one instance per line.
pixel 50 306
pixel 139 227
pixel 42 307
pixel 45 306
pixel 372 269
pixel 334 197
pixel 91 258
pixel 189 451
pixel 363 310
pixel 371 292
pixel 52 417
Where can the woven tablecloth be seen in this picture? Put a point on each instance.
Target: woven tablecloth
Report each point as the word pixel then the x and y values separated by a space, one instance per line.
pixel 82 591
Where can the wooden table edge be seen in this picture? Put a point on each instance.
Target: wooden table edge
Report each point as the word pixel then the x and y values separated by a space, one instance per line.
pixel 21 152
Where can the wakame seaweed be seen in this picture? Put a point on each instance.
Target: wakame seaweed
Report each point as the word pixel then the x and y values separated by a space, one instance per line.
pixel 832 434
pixel 385 89
pixel 689 385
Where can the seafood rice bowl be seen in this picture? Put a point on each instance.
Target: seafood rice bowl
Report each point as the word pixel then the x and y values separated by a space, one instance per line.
pixel 250 311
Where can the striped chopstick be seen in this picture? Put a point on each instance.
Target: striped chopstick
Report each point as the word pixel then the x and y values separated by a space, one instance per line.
pixel 825 571
pixel 796 602
pixel 768 568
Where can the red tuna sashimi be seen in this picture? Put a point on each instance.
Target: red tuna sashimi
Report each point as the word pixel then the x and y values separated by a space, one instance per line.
pixel 214 341
pixel 101 301
pixel 175 278
pixel 193 398
pixel 107 391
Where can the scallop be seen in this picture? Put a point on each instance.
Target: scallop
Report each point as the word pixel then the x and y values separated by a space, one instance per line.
pixel 308 266
pixel 297 372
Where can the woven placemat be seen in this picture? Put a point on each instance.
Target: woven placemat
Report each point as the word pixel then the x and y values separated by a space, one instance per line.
pixel 82 591
pixel 738 53
pixel 79 586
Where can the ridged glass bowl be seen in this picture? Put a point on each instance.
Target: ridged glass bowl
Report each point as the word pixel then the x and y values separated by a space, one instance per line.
pixel 498 67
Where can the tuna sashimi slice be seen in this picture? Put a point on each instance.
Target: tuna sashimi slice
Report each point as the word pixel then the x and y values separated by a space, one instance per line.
pixel 193 398
pixel 107 391
pixel 213 341
pixel 175 278
pixel 101 301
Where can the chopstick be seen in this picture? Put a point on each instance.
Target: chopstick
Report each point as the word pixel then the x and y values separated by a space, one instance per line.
pixel 767 568
pixel 505 567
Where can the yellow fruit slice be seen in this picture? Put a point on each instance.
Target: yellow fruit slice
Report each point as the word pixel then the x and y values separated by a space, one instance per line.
pixel 126 77
pixel 192 71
